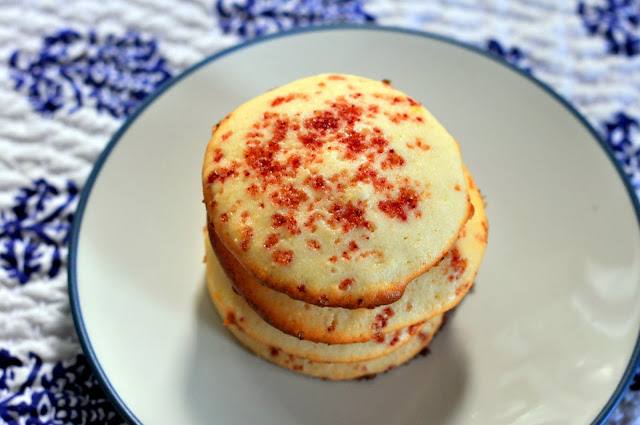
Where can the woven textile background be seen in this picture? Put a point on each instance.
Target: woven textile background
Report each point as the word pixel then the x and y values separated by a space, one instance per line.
pixel 71 72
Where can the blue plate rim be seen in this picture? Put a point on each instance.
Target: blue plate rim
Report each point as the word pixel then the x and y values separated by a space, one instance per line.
pixel 76 310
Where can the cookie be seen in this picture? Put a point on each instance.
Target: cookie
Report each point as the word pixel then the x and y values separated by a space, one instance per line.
pixel 432 293
pixel 336 190
pixel 235 310
pixel 341 371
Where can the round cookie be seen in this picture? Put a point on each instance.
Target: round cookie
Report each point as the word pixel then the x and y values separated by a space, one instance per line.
pixel 336 190
pixel 342 371
pixel 235 310
pixel 434 292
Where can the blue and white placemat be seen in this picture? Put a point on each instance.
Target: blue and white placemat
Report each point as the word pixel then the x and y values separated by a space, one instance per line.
pixel 71 72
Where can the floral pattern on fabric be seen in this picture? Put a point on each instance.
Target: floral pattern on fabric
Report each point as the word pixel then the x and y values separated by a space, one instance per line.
pixel 109 72
pixel 34 393
pixel 34 233
pixel 617 21
pixel 251 18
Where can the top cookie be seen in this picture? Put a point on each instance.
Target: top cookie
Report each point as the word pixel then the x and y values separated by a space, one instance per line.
pixel 336 190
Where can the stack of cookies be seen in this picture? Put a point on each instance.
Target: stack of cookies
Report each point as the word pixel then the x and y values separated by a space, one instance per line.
pixel 345 223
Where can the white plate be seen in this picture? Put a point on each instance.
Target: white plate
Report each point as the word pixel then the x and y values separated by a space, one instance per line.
pixel 548 337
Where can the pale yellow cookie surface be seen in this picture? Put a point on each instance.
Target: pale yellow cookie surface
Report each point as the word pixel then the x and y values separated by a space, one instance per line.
pixel 342 371
pixel 335 189
pixel 434 292
pixel 235 310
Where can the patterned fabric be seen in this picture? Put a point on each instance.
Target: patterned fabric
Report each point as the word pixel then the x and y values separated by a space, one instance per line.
pixel 253 18
pixel 60 394
pixel 618 21
pixel 113 73
pixel 35 232
pixel 71 72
